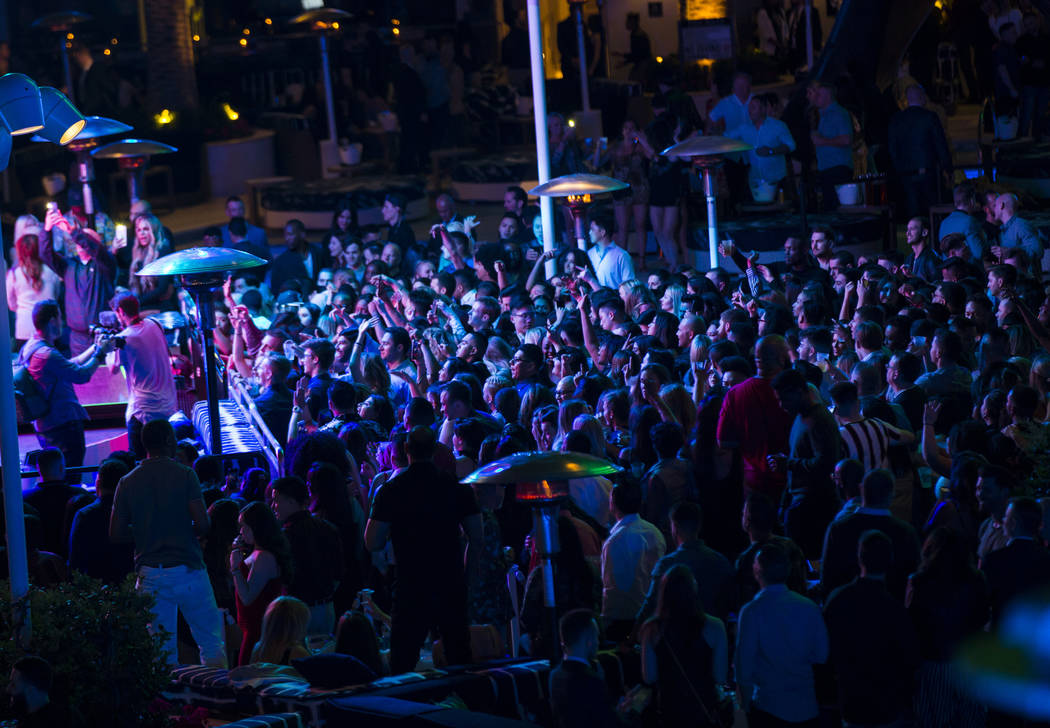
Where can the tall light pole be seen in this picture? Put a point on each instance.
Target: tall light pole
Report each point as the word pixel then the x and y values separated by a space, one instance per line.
pixel 25 108
pixel 539 110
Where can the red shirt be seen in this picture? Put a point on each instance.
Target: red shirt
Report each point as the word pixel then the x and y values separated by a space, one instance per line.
pixel 753 422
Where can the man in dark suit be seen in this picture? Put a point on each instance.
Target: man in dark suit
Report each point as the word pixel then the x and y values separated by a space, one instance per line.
pixel 873 647
pixel 1023 564
pixel 579 695
pixel 301 262
pixel 839 561
pixel 919 152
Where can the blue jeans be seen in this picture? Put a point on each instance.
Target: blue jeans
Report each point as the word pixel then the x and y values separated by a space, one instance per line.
pixel 181 589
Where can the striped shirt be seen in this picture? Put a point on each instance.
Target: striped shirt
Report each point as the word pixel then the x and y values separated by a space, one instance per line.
pixel 866 440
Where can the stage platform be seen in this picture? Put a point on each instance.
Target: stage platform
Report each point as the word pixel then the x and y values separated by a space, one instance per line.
pixel 100 443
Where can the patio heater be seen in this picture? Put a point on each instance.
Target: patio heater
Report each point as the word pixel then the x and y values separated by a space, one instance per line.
pixel 325 22
pixel 579 191
pixel 200 271
pixel 133 157
pixel 63 22
pixel 708 153
pixel 94 129
pixel 541 481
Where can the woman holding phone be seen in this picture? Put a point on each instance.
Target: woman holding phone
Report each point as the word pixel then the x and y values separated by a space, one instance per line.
pixel 260 563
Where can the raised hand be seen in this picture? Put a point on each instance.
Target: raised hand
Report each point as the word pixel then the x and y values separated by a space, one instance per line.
pixel 302 392
pixel 931 412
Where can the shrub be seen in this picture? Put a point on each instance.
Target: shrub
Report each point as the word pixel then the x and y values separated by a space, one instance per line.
pixel 106 664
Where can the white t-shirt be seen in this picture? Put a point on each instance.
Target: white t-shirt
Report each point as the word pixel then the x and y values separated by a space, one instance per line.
pixel 612 265
pixel 21 297
pixel 147 367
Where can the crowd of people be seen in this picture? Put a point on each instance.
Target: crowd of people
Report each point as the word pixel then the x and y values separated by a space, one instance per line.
pixel 816 443
pixel 807 445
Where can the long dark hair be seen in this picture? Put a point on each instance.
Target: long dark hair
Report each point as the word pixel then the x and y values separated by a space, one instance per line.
pixel 356 637
pixel 269 536
pixel 679 600
pixel 642 419
pixel 945 556
pixel 329 496
pixel 351 230
pixel 27 250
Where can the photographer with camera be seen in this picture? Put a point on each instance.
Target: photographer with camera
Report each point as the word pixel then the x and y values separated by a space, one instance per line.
pixel 143 352
pixel 62 424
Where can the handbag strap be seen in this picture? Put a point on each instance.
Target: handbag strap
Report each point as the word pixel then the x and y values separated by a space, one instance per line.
pixel 689 682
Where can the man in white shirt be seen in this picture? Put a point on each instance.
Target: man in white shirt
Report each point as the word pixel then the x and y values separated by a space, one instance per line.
pixel 731 111
pixel 147 368
pixel 611 263
pixel 771 141
pixel 628 556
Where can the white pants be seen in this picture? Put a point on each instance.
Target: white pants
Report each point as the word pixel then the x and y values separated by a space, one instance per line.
pixel 181 589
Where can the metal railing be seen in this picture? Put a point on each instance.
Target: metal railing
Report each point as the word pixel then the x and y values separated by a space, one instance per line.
pixel 272 449
pixel 80 470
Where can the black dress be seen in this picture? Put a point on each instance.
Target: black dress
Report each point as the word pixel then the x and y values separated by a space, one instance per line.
pixel 665 182
pixel 682 682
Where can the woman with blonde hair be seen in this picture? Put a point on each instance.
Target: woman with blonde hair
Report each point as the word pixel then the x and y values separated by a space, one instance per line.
pixel 283 632
pixel 27 283
pixel 634 294
pixel 150 243
pixel 568 411
pixel 680 405
pixel 535 396
pixel 671 301
pixel 591 426
pixel 497 356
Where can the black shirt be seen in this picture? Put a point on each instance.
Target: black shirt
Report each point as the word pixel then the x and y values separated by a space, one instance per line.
pixel 90 549
pixel 49 500
pixel 424 507
pixel 873 651
pixel 916 141
pixel 402 236
pixel 317 553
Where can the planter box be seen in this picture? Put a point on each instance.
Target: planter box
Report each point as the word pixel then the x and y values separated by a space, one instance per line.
pixel 232 161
